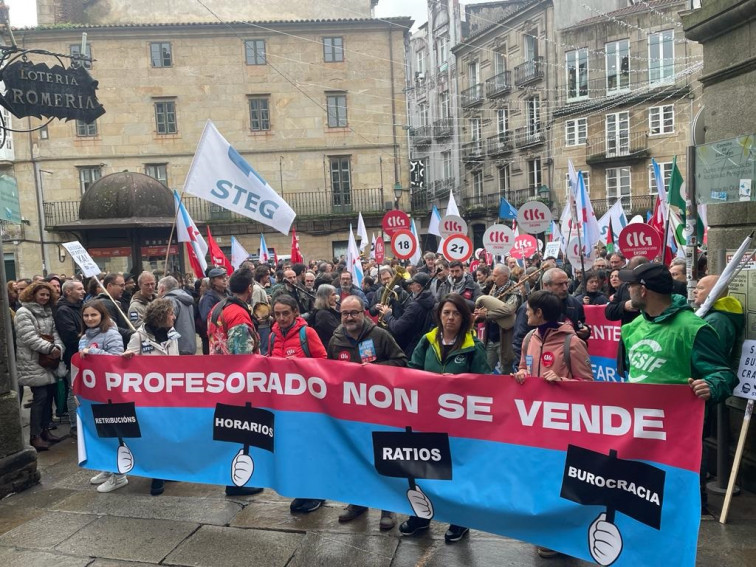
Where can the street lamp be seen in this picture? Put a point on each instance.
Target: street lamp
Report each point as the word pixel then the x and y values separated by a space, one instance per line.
pixel 397 194
pixel 544 193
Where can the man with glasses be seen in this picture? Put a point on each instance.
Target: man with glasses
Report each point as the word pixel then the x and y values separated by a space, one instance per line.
pixel 359 340
pixel 291 286
pixel 114 284
pixel 141 299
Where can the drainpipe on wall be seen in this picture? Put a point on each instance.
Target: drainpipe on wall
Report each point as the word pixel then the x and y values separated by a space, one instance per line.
pixel 40 199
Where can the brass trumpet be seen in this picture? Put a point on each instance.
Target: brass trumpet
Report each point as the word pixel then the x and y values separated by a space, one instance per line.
pixel 389 290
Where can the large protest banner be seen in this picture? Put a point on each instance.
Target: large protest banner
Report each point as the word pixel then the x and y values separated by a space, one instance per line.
pixel 603 344
pixel 599 471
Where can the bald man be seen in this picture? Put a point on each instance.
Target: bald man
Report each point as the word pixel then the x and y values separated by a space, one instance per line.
pixel 726 316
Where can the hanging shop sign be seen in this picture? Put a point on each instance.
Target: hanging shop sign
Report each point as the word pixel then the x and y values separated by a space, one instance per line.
pixel 54 92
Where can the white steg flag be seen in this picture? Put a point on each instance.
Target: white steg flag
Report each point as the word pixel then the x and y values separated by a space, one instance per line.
pixel 362 232
pixel 238 253
pixel 451 209
pixel 220 174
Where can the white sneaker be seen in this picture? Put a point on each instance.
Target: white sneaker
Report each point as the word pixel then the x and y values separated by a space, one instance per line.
pixel 115 482
pixel 99 478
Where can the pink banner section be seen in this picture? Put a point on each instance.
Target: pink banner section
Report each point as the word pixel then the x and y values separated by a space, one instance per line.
pixel 647 422
pixel 603 344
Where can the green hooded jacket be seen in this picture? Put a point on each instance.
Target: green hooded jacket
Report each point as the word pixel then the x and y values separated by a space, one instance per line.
pixel 470 358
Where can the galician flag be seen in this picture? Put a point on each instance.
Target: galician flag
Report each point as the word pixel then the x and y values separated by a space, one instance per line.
pixel 238 253
pixel 353 263
pixel 435 222
pixel 418 255
pixel 264 254
pixel 220 174
pixel 186 231
pixel 614 219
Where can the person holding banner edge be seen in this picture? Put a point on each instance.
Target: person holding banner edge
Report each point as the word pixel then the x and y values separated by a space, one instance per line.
pixel 450 348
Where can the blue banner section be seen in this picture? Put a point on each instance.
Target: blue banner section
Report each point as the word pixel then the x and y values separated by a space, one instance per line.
pixel 502 488
pixel 605 369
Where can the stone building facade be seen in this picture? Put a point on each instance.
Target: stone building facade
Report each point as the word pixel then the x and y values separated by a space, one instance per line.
pixel 627 91
pixel 314 103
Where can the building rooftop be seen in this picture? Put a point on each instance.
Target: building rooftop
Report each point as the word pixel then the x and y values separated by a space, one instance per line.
pixel 639 8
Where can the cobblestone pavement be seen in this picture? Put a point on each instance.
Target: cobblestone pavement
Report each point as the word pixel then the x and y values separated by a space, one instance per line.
pixel 65 522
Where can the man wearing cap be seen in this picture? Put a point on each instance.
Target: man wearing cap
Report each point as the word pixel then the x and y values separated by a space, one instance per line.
pixel 417 317
pixel 667 343
pixel 217 291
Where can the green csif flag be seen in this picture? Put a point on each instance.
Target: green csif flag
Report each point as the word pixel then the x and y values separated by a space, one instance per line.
pixel 676 196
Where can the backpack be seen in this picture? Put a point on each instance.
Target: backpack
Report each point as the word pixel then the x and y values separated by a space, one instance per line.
pixel 302 341
pixel 567 340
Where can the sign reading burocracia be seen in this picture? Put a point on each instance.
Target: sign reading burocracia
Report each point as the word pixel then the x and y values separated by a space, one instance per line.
pixel 55 92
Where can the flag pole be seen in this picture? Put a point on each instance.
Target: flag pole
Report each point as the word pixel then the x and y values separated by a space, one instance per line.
pixel 173 229
pixel 666 232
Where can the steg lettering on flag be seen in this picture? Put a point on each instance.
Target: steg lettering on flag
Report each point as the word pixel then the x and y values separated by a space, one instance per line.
pixel 220 174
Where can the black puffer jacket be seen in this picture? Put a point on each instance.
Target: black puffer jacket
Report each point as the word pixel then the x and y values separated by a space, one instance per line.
pixel 416 320
pixel 69 323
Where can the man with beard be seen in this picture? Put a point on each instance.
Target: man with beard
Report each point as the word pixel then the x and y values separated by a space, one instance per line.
pixel 417 318
pixel 114 284
pixel 498 310
pixel 141 299
pixel 397 299
pixel 440 285
pixel 463 284
pixel 290 286
pixel 359 340
pixel 348 288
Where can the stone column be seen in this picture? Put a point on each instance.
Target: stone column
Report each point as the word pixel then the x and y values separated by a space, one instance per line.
pixel 18 461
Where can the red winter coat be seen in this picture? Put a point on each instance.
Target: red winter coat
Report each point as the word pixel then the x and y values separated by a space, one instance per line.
pixel 291 345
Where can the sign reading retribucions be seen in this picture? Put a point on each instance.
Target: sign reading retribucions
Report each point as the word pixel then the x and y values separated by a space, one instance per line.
pixel 39 90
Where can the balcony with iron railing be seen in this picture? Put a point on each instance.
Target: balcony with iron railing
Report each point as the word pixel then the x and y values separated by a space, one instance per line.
pixel 632 205
pixel 488 203
pixel 529 136
pixel 472 151
pixel 421 134
pixel 625 148
pixel 499 85
pixel 500 144
pixel 529 72
pixel 420 200
pixel 442 187
pixel 305 203
pixel 443 128
pixel 472 96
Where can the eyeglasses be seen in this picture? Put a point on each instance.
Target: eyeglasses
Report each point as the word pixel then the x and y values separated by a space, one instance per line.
pixel 352 314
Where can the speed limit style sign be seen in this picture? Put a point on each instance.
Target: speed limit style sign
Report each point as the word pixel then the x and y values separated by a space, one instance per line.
pixel 457 247
pixel 403 244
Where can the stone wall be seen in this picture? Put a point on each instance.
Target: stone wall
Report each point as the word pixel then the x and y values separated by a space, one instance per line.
pixel 174 11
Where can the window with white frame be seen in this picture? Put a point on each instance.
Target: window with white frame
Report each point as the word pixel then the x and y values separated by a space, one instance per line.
pixel 586 182
pixel 443 104
pixel 472 74
pixel 254 50
pixel 336 105
pixel 446 165
pixel 84 130
pixel 618 181
pixel 7 145
pixel 420 62
pixel 661 119
pixel 617 55
pixel 160 54
pixel 617 134
pixel 577 73
pixel 530 42
pixel 475 131
pixel 504 180
pixel 500 60
pixel 534 176
pixel 333 49
pixel 478 184
pixel 666 171
pixel 576 131
pixel 533 115
pixel 502 121
pixel 157 171
pixel 442 52
pixel 661 56
pixel 423 112
pixel 87 176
